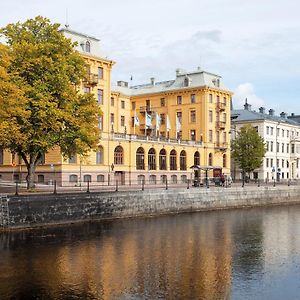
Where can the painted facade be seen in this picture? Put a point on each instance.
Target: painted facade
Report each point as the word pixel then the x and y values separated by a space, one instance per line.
pixel 153 132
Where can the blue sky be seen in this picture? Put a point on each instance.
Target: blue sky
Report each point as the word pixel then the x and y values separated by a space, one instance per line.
pixel 254 45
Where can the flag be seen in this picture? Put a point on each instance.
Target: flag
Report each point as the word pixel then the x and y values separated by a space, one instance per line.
pixel 136 120
pixel 148 120
pixel 157 121
pixel 168 123
pixel 178 124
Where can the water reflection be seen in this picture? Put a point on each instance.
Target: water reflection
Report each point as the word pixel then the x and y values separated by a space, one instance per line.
pixel 212 255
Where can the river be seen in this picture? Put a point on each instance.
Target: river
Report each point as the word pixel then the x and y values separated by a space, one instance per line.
pixel 236 254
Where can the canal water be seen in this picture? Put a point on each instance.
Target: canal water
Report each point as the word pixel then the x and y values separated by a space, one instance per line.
pixel 237 254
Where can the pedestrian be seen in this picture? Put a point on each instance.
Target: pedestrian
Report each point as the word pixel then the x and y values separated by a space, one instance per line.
pixel 222 179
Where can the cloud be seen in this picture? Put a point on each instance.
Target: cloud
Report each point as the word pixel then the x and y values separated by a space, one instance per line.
pixel 243 91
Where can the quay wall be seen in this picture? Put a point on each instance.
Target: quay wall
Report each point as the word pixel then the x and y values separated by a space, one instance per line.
pixel 42 210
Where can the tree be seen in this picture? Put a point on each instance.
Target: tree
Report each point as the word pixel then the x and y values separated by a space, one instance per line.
pixel 41 106
pixel 248 149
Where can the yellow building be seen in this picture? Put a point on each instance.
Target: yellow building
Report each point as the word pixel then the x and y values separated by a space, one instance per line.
pixel 153 132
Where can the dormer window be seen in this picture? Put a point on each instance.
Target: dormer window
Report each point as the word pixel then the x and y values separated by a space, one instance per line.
pixel 187 81
pixel 88 46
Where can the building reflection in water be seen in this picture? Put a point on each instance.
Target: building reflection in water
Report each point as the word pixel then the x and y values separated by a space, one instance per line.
pixel 185 256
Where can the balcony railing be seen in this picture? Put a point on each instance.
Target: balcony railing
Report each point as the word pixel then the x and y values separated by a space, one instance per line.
pixel 91 79
pixel 144 109
pixel 221 106
pixel 221 145
pixel 221 124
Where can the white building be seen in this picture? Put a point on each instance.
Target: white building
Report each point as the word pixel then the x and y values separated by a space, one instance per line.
pixel 282 138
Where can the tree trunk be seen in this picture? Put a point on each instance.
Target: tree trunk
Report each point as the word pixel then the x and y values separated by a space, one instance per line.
pixel 30 175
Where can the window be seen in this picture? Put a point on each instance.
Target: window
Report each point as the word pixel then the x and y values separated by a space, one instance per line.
pixel 287 148
pixel 282 148
pixel 179 100
pixel 277 163
pixel 152 179
pixel 282 132
pixel 118 155
pixel 100 122
pixel 282 163
pixel 99 156
pixel 162 159
pixel 72 159
pixel 210 116
pixel 277 131
pixel 272 129
pixel 163 178
pixel 173 160
pixel 112 118
pixel 268 129
pixel 193 116
pixel 87 178
pixel 267 163
pixel 287 133
pixel 132 121
pixel 271 146
pixel 277 147
pixel 292 148
pixel 193 135
pixel 140 159
pixel 197 158
pixel 162 119
pixel 41 178
pixel 182 159
pixel 100 96
pixel 73 178
pixel 174 179
pixel 100 178
pixel 112 101
pixel 183 178
pixel 151 159
pixel 162 102
pixel 210 159
pixel 141 179
pixel 287 164
pixel 224 137
pixel 224 120
pixel 210 98
pixel 123 121
pixel 224 100
pixel 100 73
pixel 218 99
pixel 179 116
pixel 210 135
pixel 133 105
pixel 193 98
pixel 88 46
pixel 224 161
pixel 123 104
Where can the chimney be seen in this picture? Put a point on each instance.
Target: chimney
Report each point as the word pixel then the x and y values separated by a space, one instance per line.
pixel 292 114
pixel 283 115
pixel 247 106
pixel 152 79
pixel 262 110
pixel 178 71
pixel 271 112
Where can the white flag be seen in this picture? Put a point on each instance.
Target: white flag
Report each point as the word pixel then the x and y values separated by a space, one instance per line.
pixel 178 124
pixel 168 123
pixel 157 121
pixel 148 120
pixel 136 120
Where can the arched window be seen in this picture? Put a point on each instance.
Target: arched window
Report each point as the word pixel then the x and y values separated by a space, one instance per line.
pixel 140 159
pixel 197 158
pixel 151 160
pixel 163 178
pixel 224 161
pixel 100 178
pixel 118 155
pixel 73 178
pixel 152 179
pixel 183 178
pixel 141 179
pixel 183 160
pixel 174 179
pixel 88 46
pixel 173 164
pixel 87 178
pixel 162 159
pixel 99 156
pixel 210 159
pixel 41 178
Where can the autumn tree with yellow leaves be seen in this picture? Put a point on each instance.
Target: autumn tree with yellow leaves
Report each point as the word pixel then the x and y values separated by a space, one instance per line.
pixel 40 103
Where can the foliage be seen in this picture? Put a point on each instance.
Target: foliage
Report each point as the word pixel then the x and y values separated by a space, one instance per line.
pixel 40 103
pixel 248 149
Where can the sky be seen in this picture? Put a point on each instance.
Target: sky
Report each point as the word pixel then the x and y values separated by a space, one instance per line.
pixel 254 45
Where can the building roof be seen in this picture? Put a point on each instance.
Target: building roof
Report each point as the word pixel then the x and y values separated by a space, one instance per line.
pixel 83 35
pixel 183 80
pixel 240 115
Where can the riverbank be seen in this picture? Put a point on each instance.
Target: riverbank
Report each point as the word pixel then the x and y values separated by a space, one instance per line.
pixel 29 211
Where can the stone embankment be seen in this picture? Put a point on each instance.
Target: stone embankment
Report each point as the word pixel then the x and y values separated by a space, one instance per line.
pixel 41 210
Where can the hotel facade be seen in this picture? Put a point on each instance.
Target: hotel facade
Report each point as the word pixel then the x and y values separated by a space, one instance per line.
pixel 152 132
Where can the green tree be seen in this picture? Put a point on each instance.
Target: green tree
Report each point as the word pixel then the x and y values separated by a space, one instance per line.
pixel 248 149
pixel 41 106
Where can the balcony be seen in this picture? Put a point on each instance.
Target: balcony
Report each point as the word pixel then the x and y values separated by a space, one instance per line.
pixel 144 109
pixel 90 80
pixel 221 125
pixel 221 146
pixel 221 106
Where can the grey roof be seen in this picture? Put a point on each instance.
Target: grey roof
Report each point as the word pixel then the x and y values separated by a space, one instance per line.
pixel 195 79
pixel 71 31
pixel 238 115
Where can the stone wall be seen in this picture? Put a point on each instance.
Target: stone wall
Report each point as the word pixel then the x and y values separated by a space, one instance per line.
pixel 40 210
